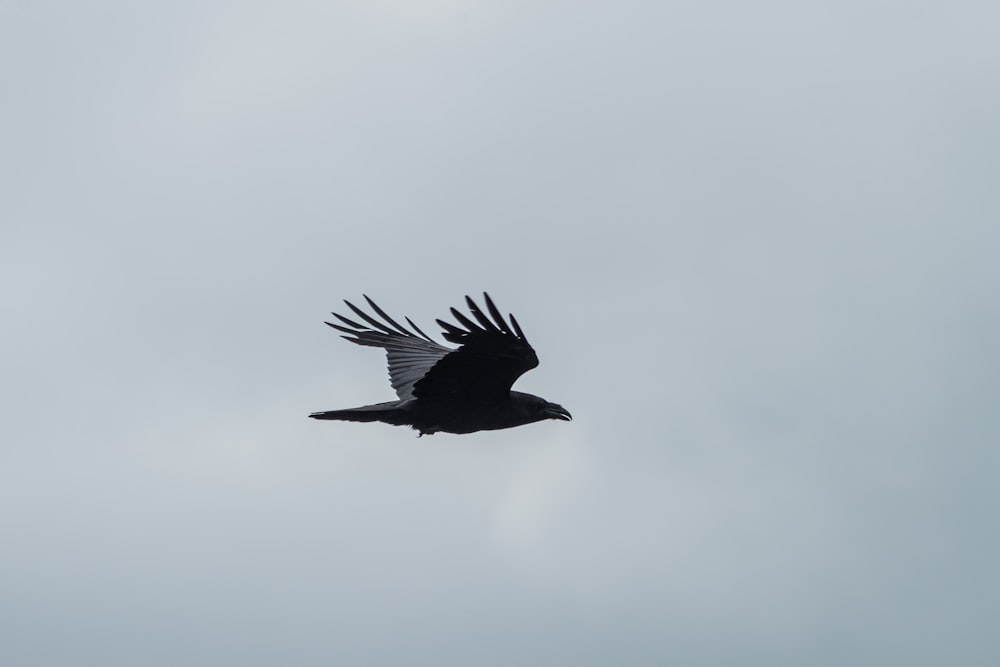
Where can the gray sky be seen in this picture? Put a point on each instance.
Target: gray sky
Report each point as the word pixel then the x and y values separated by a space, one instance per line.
pixel 754 244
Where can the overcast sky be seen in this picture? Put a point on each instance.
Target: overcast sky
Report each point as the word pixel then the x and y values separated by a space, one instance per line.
pixel 754 244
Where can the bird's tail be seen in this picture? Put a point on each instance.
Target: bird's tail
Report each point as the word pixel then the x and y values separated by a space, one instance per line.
pixel 389 413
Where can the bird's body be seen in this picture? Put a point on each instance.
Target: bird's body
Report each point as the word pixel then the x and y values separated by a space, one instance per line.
pixel 441 389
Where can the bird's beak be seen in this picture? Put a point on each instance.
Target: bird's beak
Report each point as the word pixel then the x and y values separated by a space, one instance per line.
pixel 555 411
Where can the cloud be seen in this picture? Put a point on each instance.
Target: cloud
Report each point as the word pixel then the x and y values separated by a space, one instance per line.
pixel 755 255
pixel 546 486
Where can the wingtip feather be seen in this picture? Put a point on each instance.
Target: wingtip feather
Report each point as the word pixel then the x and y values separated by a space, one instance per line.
pixel 495 313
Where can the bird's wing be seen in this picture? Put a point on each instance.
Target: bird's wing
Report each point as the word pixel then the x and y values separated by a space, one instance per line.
pixel 411 355
pixel 491 356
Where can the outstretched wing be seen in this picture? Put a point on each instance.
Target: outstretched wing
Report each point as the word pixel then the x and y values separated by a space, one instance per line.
pixel 491 356
pixel 410 355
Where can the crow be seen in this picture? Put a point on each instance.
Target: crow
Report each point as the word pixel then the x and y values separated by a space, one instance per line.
pixel 461 390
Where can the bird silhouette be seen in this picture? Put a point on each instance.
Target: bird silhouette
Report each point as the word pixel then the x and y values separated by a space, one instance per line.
pixel 451 390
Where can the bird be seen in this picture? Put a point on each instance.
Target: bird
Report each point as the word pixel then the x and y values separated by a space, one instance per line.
pixel 451 390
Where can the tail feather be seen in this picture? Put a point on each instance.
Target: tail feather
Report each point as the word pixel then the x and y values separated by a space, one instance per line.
pixel 389 413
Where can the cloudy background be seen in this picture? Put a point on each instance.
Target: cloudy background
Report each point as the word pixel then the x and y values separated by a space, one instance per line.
pixel 755 246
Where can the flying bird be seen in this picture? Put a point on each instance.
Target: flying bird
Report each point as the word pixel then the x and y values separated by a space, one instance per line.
pixel 454 390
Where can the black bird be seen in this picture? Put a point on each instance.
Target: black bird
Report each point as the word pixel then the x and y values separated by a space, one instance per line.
pixel 452 390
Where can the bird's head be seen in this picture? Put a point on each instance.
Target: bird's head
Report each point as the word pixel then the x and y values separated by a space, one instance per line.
pixel 556 411
pixel 532 408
